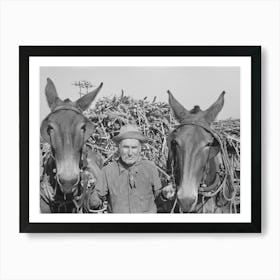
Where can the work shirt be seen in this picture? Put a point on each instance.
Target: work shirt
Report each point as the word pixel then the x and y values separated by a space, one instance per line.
pixel 129 189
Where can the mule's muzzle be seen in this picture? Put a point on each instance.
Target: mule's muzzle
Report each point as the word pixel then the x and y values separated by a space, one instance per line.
pixel 187 202
pixel 68 185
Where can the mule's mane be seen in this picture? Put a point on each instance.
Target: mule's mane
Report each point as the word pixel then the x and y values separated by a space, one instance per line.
pixel 195 109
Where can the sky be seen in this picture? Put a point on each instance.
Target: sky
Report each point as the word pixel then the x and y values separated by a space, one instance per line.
pixel 189 85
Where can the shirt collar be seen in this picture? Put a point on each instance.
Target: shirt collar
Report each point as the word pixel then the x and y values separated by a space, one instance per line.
pixel 122 167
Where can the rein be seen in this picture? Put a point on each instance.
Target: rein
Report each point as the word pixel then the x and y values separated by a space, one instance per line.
pixel 212 190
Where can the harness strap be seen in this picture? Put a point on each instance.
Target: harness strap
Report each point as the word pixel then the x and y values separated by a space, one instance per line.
pixel 204 189
pixel 211 194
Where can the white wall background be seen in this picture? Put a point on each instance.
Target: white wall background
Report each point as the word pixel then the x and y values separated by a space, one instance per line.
pixel 139 256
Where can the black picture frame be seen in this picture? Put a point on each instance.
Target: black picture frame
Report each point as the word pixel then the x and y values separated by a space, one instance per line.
pixel 254 52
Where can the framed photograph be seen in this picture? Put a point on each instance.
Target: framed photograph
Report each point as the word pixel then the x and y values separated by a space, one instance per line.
pixel 140 138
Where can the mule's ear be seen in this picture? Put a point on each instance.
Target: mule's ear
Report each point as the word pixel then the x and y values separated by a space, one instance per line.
pixel 212 112
pixel 51 94
pixel 179 111
pixel 84 102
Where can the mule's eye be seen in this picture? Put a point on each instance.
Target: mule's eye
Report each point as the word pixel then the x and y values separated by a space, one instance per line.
pixel 49 128
pixel 209 144
pixel 83 128
pixel 174 143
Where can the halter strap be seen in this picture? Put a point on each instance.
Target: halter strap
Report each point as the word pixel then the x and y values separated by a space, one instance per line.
pixel 67 107
pixel 200 124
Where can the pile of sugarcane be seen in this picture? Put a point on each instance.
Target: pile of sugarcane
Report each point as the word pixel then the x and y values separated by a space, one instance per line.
pixel 155 120
pixel 229 131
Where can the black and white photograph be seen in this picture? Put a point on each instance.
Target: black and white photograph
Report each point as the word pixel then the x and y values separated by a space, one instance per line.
pixel 134 152
pixel 160 135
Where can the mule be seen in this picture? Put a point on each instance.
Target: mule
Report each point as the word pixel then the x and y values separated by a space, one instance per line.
pixel 66 129
pixel 194 156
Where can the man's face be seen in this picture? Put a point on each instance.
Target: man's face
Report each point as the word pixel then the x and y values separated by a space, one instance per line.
pixel 129 150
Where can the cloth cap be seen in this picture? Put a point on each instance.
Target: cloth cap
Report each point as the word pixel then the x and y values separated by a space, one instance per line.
pixel 130 132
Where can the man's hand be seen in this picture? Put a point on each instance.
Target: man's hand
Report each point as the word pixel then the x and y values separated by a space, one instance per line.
pixel 94 201
pixel 168 192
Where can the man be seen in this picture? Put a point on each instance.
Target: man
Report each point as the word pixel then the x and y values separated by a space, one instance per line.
pixel 130 183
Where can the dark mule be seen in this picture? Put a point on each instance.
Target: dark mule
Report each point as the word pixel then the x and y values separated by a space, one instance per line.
pixel 194 157
pixel 66 129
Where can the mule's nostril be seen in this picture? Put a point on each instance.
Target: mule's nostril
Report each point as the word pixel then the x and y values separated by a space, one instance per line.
pixel 68 185
pixel 187 203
